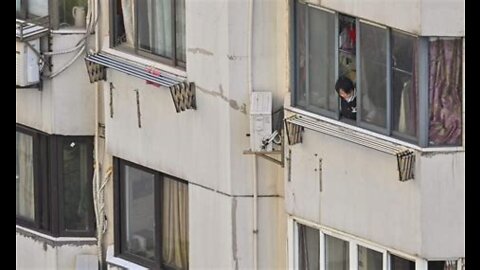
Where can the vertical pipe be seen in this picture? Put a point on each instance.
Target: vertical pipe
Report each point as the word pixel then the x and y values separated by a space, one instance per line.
pixel 254 157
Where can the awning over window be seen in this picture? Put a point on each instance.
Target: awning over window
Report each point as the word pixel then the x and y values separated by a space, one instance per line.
pixel 144 72
pixel 31 29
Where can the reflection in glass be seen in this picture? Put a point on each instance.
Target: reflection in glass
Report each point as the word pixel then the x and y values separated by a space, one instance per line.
pixel 25 203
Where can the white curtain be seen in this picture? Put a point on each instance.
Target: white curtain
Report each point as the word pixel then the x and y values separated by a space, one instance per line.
pixel 175 224
pixel 162 25
pixel 180 31
pixel 25 181
pixel 128 20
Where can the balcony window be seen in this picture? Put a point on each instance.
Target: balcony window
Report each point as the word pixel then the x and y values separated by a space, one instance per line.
pixel 405 86
pixel 47 161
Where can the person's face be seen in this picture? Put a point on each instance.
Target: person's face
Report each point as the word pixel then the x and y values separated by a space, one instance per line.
pixel 344 94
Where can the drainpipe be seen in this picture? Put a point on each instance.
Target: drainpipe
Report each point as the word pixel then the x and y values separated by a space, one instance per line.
pixel 97 182
pixel 254 157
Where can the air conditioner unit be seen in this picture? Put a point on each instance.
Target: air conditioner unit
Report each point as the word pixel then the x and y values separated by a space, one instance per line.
pixel 28 71
pixel 260 120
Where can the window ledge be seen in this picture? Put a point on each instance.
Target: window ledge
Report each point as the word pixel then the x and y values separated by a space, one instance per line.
pixel 56 241
pixel 345 131
pixel 147 62
pixel 111 259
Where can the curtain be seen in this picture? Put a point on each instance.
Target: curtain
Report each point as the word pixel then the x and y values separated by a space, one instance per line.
pixel 25 177
pixel 450 265
pixel 128 20
pixel 175 224
pixel 180 29
pixel 445 91
pixel 407 122
pixel 162 26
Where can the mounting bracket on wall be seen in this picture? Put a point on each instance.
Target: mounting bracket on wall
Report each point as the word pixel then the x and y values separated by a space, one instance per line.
pixel 406 165
pixel 267 154
pixel 96 72
pixel 294 132
pixel 183 95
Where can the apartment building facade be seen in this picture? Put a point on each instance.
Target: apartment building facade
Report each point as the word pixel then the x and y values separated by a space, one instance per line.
pixel 138 152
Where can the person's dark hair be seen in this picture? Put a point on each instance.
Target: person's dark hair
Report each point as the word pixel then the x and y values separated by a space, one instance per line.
pixel 344 83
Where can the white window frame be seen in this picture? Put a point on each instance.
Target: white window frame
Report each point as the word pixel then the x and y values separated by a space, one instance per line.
pixel 353 243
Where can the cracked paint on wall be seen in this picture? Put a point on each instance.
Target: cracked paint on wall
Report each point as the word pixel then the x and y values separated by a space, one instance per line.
pixel 231 102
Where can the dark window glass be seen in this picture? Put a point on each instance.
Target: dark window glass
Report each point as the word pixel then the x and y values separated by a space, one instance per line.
pixel 398 263
pixel 373 81
pixel 154 217
pixel 369 259
pixel 309 248
pixel 77 193
pixel 404 83
pixel 336 253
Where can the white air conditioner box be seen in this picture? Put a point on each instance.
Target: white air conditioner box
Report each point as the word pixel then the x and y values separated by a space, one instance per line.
pixel 28 72
pixel 260 120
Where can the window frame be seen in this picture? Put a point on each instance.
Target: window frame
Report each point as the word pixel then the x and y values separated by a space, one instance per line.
pixel 120 201
pixel 58 142
pixel 353 243
pixel 136 50
pixel 422 125
pixel 48 185
pixel 37 176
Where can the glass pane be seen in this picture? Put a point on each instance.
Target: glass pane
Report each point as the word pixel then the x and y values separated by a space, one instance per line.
pixel 347 42
pixel 404 83
pixel 155 26
pixel 77 192
pixel 369 259
pixel 373 45
pixel 300 54
pixel 25 177
pixel 175 224
pixel 442 265
pixel 445 92
pixel 37 8
pixel 336 253
pixel 72 13
pixel 140 212
pixel 180 30
pixel 18 5
pixel 321 65
pixel 397 263
pixel 309 248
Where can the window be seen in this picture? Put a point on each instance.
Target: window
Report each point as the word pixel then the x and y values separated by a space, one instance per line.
pixel 309 247
pixel 68 14
pixel 336 253
pixel 152 28
pixel 27 9
pixel 151 217
pixel 75 191
pixel 399 263
pixel 369 259
pixel 442 265
pixel 399 78
pixel 25 202
pixel 54 183
pixel 319 249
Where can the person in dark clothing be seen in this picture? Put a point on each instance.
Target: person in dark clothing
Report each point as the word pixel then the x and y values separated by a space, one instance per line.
pixel 346 91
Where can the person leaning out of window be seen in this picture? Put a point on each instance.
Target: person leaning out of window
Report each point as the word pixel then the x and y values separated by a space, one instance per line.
pixel 348 95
